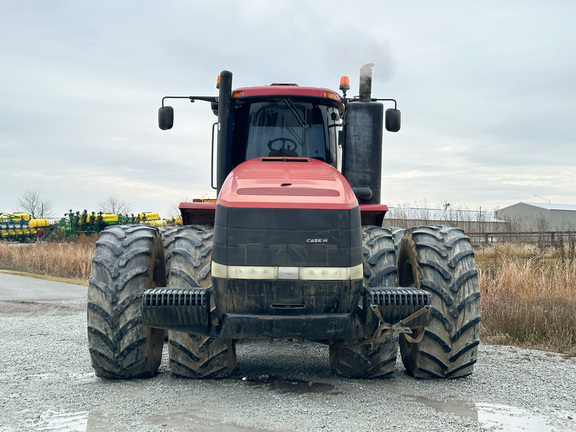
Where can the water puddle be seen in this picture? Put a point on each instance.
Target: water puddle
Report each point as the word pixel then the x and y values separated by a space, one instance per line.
pixel 289 385
pixel 511 418
pixel 94 421
pixel 62 422
pixel 492 416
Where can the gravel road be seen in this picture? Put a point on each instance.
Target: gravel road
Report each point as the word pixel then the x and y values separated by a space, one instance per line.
pixel 47 384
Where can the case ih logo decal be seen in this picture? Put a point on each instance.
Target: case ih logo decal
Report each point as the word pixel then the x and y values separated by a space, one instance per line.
pixel 317 240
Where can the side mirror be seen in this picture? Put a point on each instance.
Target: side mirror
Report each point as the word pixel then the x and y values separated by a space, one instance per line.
pixel 341 138
pixel 393 118
pixel 166 117
pixel 214 106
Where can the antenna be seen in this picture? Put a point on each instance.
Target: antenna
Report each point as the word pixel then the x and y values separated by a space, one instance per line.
pixel 538 196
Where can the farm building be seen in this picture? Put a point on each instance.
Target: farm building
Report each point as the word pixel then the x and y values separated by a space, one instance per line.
pixel 539 216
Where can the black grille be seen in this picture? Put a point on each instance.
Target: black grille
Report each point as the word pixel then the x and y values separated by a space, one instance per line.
pixel 287 237
pixel 390 297
pixel 395 304
pixel 178 309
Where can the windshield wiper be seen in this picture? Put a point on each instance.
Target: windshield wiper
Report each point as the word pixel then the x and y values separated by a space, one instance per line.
pixel 290 105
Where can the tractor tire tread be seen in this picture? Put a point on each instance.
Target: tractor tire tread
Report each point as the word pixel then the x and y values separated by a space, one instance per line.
pixel 191 355
pixel 124 264
pixel 444 260
pixel 376 359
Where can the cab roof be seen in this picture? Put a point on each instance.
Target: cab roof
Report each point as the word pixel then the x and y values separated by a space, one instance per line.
pixel 286 90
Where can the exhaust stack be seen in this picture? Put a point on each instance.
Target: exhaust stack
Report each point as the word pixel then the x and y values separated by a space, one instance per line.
pixel 362 151
pixel 366 82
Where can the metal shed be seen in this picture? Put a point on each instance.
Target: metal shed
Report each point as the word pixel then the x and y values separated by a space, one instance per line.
pixel 539 216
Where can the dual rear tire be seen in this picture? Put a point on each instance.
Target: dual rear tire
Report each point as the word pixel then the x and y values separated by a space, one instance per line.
pixel 192 355
pixel 371 358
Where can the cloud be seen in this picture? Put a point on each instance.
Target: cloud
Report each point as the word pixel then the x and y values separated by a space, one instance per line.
pixel 486 92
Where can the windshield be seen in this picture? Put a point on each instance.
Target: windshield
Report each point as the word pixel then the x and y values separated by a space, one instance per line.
pixel 285 127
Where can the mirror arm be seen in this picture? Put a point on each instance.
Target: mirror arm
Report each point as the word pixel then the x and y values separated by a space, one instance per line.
pixel 387 100
pixel 356 99
pixel 192 98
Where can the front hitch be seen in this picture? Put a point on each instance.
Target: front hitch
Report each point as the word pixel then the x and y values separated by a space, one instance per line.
pixel 401 310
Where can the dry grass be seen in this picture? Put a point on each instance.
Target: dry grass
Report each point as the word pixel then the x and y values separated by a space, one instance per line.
pixel 528 297
pixel 528 294
pixel 69 260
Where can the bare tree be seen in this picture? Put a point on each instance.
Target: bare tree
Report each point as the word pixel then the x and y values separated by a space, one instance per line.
pixel 113 204
pixel 38 207
pixel 174 210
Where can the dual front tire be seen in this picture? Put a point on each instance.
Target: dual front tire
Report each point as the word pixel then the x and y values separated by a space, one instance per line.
pixel 439 260
pixel 127 261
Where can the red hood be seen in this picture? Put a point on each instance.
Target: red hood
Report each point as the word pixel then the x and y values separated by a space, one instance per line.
pixel 277 182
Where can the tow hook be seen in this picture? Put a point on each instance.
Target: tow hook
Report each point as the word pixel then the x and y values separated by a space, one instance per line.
pixel 400 326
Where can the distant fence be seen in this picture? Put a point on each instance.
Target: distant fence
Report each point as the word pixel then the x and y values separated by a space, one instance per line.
pixel 540 237
pixel 469 226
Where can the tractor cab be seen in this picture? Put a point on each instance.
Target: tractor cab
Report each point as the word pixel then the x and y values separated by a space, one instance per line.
pixel 285 120
pixel 297 122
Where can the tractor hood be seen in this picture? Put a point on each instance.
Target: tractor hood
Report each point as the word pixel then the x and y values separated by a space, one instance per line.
pixel 286 182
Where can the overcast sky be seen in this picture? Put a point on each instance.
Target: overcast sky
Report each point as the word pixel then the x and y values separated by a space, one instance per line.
pixel 487 92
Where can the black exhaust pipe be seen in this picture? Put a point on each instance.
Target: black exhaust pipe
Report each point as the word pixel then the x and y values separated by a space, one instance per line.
pixel 362 151
pixel 224 163
pixel 366 82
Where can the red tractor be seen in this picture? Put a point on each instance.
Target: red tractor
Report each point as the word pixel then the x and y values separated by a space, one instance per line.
pixel 293 248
